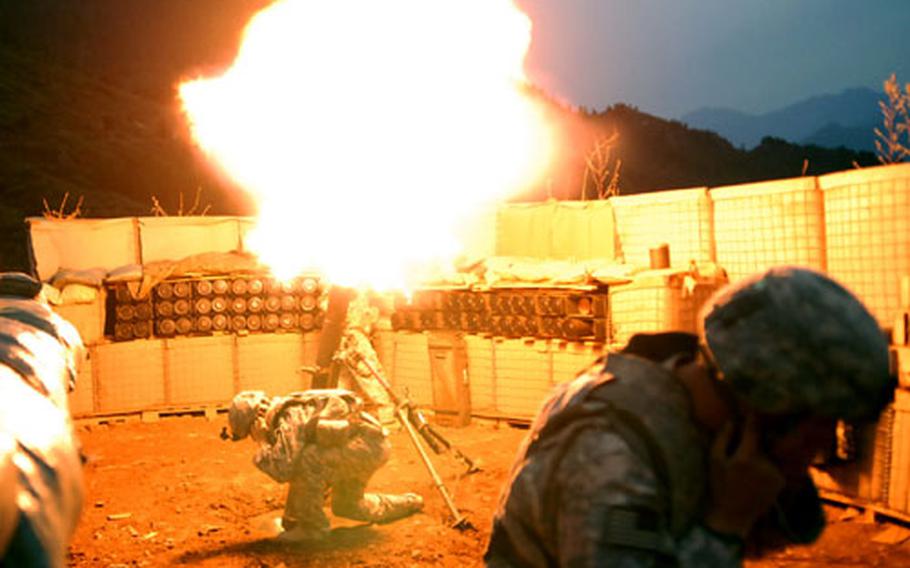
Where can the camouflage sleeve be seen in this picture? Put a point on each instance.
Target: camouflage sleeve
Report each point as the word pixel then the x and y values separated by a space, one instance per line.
pixel 703 547
pixel 610 511
pixel 278 458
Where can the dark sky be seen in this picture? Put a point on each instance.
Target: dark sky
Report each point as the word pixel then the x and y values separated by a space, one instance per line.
pixel 669 57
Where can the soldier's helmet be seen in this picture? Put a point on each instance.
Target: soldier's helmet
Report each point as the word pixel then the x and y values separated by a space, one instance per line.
pixel 243 412
pixel 792 340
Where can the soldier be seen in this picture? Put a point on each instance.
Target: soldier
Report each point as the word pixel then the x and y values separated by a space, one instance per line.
pixel 315 440
pixel 40 467
pixel 356 352
pixel 685 449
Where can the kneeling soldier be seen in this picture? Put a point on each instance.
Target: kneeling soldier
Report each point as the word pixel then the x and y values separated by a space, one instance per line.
pixel 315 440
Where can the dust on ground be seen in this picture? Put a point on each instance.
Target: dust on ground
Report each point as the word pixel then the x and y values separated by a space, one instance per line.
pixel 172 493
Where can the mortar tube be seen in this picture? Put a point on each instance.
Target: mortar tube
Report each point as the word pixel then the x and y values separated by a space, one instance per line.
pixel 336 315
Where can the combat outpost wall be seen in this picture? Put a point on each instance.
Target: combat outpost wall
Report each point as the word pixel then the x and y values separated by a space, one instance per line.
pixel 852 224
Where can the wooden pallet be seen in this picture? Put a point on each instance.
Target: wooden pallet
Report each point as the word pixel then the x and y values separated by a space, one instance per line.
pixel 873 511
pixel 153 415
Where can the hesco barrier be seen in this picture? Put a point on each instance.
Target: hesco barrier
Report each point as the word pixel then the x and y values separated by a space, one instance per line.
pixel 679 218
pixel 878 476
pixel 898 497
pixel 189 372
pixel 770 223
pixel 83 243
pixel 405 358
pixel 867 234
pixel 515 348
pixel 82 399
pixel 659 300
pixel 87 317
pixel 506 378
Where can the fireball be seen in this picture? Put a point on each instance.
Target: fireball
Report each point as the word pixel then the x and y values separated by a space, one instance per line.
pixel 367 132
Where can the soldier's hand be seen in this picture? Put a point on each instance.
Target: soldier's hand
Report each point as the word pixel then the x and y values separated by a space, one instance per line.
pixel 744 483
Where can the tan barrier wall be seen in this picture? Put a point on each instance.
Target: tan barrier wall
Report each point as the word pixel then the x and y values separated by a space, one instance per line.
pixel 173 238
pixel 481 382
pixel 244 226
pixel 272 362
pixel 525 229
pixel 82 399
pixel 680 218
pixel 658 300
pixel 189 372
pixel 898 496
pixel 569 230
pixel 79 244
pixel 199 370
pixel 867 478
pixel 405 358
pixel 583 230
pixel 507 378
pixel 521 376
pixel 128 376
pixel 760 225
pixel 867 233
pixel 88 318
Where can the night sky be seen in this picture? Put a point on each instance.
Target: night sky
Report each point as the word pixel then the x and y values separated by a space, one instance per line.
pixel 670 57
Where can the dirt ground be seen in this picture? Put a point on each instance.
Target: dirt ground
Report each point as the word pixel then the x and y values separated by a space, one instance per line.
pixel 172 493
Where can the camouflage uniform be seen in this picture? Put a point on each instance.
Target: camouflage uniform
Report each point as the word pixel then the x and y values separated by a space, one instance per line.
pixel 355 351
pixel 320 439
pixel 614 470
pixel 40 467
pixel 603 481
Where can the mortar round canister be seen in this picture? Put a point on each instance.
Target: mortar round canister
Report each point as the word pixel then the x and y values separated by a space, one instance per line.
pixel 660 256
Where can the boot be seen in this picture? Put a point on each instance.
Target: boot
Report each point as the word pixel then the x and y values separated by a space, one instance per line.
pixel 300 534
pixel 394 507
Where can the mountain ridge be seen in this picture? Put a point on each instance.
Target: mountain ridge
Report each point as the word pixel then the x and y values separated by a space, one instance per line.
pixel 852 109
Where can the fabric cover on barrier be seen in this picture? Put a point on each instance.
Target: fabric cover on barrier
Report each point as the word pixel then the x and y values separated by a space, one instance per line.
pixel 524 229
pixel 602 230
pixel 563 230
pixel 79 244
pixel 173 238
pixel 203 263
pixel 570 231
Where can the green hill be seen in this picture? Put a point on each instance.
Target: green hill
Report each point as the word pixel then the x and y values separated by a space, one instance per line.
pixel 662 154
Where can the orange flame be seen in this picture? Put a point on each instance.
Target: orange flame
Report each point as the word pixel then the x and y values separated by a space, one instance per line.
pixel 368 131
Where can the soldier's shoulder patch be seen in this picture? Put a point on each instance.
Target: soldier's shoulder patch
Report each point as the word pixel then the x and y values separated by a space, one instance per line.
pixel 635 527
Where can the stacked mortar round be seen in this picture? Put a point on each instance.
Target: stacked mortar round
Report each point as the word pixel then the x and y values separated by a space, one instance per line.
pixel 536 313
pixel 131 318
pixel 231 304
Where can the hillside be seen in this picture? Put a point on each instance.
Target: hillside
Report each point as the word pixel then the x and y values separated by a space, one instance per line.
pixel 64 132
pixel 843 119
pixel 664 154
